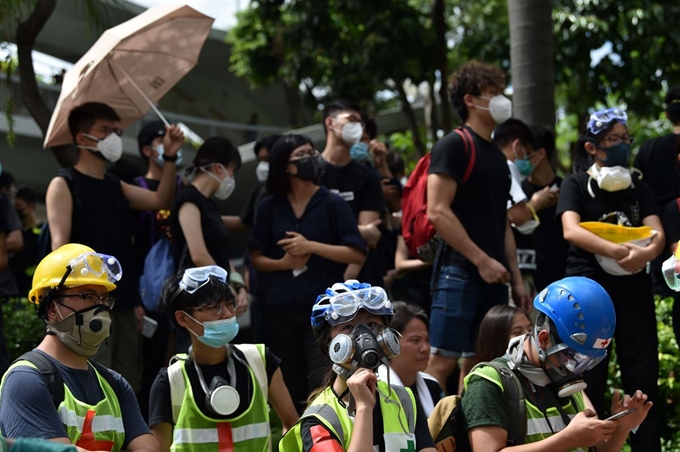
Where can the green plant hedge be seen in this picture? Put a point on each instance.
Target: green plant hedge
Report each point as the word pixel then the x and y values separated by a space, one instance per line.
pixel 23 329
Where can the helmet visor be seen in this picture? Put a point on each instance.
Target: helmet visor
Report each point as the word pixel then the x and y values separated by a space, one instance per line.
pixel 195 278
pixel 578 363
pixel 344 307
pixel 98 265
pixel 601 119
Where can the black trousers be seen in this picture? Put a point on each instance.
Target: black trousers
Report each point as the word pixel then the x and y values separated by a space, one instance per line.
pixel 154 353
pixel 637 351
pixel 290 337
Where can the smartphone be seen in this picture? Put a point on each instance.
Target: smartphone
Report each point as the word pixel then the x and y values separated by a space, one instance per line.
pixel 621 414
pixel 149 326
pixel 554 187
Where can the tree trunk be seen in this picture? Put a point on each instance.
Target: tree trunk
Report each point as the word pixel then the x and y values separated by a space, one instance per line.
pixel 441 57
pixel 27 32
pixel 294 103
pixel 431 119
pixel 411 118
pixel 532 61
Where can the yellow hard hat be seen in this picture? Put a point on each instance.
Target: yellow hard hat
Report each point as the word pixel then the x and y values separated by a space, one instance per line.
pixel 616 233
pixel 74 265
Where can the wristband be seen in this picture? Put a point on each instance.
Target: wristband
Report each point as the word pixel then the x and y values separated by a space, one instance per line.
pixel 533 213
pixel 236 278
pixel 168 158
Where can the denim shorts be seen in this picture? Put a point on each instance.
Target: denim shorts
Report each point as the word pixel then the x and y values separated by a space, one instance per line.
pixel 459 303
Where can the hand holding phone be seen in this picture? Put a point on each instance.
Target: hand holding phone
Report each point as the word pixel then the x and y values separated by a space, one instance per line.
pixel 621 414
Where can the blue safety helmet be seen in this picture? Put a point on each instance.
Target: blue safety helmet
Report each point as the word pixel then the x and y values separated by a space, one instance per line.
pixel 342 301
pixel 582 312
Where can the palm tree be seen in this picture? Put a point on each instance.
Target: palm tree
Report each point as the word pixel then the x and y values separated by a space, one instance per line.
pixel 532 61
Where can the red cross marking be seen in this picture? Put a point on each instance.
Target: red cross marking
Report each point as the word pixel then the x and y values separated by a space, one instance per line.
pixel 87 440
pixel 605 343
pixel 225 442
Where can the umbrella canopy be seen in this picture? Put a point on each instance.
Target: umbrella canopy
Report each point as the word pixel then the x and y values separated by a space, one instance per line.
pixel 132 65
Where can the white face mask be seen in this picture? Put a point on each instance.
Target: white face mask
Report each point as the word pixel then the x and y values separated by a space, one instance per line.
pixel 227 185
pixel 351 133
pixel 611 178
pixel 500 108
pixel 111 147
pixel 262 172
pixel 160 150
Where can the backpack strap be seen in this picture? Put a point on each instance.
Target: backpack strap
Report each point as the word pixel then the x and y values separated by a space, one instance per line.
pixel 470 151
pixel 253 354
pixel 49 372
pixel 177 386
pixel 517 407
pixel 108 376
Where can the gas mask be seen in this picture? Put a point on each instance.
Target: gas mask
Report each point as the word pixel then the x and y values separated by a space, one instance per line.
pixel 221 397
pixel 111 147
pixel 83 331
pixel 363 348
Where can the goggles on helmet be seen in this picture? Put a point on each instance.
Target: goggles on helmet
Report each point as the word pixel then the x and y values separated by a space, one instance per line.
pixel 671 271
pixel 343 307
pixel 195 278
pixel 96 264
pixel 601 119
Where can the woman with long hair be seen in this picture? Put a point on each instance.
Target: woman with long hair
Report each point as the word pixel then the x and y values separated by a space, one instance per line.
pixel 408 368
pixel 499 325
pixel 214 398
pixel 303 239
pixel 604 189
pixel 353 410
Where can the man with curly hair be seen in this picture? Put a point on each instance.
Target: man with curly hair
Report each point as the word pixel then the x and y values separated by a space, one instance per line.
pixel 468 190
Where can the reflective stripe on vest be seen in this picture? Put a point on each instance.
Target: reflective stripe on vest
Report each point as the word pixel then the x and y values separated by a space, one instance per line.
pixel 538 428
pixel 400 410
pixel 211 435
pixel 196 432
pixel 101 423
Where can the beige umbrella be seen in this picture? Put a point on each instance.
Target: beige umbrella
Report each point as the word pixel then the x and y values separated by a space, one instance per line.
pixel 132 65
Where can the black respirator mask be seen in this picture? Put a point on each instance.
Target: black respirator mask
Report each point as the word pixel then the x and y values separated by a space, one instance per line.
pixel 363 348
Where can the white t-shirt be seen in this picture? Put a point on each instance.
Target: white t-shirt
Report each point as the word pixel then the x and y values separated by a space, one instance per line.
pixel 516 193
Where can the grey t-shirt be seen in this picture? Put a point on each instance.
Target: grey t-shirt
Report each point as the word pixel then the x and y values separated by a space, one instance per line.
pixel 27 410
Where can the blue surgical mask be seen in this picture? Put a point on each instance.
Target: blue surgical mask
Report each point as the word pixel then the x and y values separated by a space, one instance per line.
pixel 359 151
pixel 160 150
pixel 617 155
pixel 524 166
pixel 217 333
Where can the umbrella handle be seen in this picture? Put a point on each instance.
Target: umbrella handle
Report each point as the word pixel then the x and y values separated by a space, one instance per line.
pixel 141 93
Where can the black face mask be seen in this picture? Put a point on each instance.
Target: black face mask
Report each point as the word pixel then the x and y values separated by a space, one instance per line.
pixel 307 168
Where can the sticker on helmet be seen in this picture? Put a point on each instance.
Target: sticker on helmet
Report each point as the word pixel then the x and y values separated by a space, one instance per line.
pixel 602 343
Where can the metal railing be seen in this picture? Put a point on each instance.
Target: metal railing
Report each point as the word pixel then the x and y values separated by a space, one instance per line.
pixel 238 133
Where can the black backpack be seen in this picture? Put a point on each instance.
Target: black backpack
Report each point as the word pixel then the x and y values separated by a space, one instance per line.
pixel 54 380
pixel 450 433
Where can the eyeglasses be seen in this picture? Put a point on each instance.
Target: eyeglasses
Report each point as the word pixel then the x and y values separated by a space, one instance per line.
pixel 217 308
pixel 304 154
pixel 109 130
pixel 91 299
pixel 613 140
pixel 601 119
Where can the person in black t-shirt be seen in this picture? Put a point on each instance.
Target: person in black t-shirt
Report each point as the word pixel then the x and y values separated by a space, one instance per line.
pixel 604 189
pixel 355 183
pixel 547 240
pixel 657 159
pixel 88 205
pixel 471 218
pixel 24 262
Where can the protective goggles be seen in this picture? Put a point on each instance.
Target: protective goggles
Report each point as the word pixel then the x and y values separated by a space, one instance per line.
pixel 671 271
pixel 97 264
pixel 343 307
pixel 195 278
pixel 601 119
pixel 578 363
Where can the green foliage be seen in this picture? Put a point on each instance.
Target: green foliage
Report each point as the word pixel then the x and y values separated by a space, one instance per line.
pixel 22 327
pixel 668 404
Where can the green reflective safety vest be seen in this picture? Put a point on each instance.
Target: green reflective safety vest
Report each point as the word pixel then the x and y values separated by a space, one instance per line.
pixel 196 432
pixel 92 427
pixel 399 409
pixel 538 428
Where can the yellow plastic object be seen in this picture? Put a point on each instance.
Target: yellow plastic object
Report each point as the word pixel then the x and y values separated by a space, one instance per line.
pixel 617 234
pixel 677 251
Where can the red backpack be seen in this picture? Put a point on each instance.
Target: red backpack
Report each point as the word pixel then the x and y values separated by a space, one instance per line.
pixel 419 233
